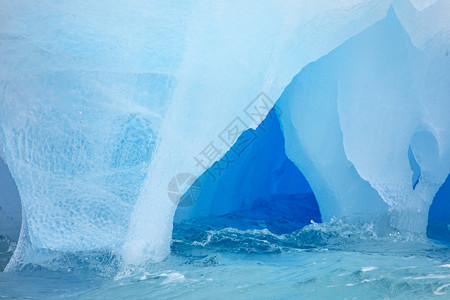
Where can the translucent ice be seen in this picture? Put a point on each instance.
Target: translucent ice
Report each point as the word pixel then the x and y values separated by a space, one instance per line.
pixel 369 121
pixel 233 53
pixel 102 104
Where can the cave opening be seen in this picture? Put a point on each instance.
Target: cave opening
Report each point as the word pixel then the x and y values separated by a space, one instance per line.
pixel 254 186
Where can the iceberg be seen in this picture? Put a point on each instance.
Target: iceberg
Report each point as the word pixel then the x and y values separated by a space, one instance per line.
pixel 98 114
pixel 364 122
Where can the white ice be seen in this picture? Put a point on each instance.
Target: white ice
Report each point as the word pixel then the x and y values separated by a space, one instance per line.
pixel 102 104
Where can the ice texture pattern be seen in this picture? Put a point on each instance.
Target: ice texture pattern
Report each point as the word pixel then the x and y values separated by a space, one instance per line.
pixel 368 126
pixel 102 104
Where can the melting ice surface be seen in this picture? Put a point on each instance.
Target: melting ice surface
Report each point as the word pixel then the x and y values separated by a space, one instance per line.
pixel 103 105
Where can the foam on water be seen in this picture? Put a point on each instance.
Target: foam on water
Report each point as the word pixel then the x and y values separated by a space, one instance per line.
pixel 320 260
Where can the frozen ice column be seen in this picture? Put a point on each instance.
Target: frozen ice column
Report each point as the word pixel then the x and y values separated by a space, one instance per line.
pixel 368 122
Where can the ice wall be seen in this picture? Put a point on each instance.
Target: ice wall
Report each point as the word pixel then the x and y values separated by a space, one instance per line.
pixel 426 22
pixel 102 104
pixel 233 52
pixel 356 113
pixel 314 141
pixel 84 89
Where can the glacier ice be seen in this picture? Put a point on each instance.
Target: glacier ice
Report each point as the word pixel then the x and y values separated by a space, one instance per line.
pixel 408 90
pixel 223 63
pixel 357 112
pixel 427 26
pixel 422 4
pixel 102 104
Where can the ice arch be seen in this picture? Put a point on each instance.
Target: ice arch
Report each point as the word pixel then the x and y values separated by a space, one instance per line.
pixel 74 74
pixel 101 112
pixel 353 116
pixel 314 143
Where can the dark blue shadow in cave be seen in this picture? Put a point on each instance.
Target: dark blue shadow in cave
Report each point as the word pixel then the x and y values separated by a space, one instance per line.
pixel 10 215
pixel 439 215
pixel 254 186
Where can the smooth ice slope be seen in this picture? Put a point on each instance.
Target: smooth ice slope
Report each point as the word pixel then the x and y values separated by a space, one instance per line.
pixel 355 114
